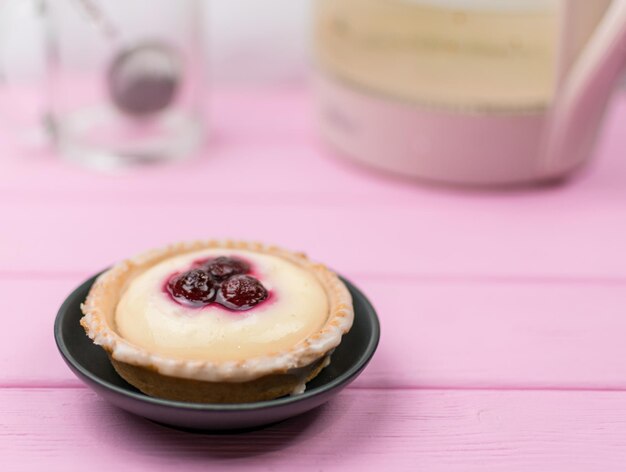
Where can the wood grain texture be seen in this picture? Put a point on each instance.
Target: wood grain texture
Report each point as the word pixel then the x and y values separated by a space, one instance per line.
pixel 65 429
pixel 289 190
pixel 256 183
pixel 544 239
pixel 502 314
pixel 268 138
pixel 434 334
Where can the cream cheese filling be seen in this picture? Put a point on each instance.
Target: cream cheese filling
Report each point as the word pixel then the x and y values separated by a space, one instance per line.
pixel 148 317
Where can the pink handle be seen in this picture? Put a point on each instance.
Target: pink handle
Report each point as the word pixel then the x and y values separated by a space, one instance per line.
pixel 579 106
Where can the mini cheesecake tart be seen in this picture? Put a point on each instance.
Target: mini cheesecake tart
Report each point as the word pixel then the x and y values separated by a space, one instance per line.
pixel 218 321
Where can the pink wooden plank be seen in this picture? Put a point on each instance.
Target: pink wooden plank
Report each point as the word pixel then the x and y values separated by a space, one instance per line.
pixel 434 335
pixel 537 238
pixel 256 184
pixel 28 354
pixel 265 147
pixel 499 335
pixel 365 430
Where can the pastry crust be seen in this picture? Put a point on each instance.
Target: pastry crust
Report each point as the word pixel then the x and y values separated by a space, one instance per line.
pixel 198 391
pixel 152 373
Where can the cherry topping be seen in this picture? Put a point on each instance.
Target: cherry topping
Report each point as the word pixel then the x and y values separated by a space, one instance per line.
pixel 223 267
pixel 241 292
pixel 193 287
pixel 224 280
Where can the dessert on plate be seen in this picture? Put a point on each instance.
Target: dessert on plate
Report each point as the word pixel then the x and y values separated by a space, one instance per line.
pixel 218 321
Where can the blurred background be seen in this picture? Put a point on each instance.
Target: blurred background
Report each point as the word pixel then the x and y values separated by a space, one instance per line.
pixel 477 92
pixel 246 41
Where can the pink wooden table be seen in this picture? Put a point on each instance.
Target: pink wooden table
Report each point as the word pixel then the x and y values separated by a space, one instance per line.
pixel 503 315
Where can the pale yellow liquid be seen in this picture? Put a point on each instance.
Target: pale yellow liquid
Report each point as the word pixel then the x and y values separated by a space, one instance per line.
pixel 465 58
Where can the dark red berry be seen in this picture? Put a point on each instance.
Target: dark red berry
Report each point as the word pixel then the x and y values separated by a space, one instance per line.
pixel 241 292
pixel 223 267
pixel 193 287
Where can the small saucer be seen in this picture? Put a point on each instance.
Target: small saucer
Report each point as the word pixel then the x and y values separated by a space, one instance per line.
pixel 91 365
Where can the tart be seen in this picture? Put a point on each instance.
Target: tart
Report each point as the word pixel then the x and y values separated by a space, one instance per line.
pixel 218 321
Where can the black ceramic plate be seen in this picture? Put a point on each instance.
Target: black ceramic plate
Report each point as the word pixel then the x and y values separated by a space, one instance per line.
pixel 92 366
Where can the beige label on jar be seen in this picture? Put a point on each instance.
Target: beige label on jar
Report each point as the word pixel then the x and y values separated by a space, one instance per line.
pixel 481 59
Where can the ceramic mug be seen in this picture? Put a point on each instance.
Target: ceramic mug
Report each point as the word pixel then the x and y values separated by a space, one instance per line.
pixel 479 92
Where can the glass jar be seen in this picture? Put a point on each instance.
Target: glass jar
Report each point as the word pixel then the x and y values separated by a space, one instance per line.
pixel 125 80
